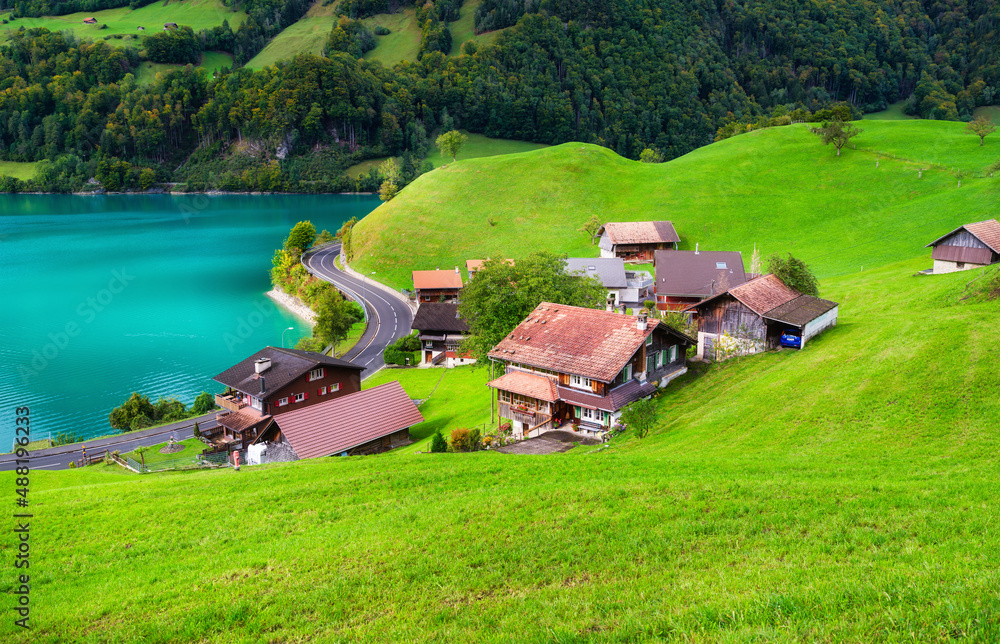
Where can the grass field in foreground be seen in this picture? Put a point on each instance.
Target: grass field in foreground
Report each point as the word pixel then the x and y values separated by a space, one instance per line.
pixel 23 170
pixel 198 14
pixel 779 188
pixel 844 493
pixel 308 35
pixel 211 61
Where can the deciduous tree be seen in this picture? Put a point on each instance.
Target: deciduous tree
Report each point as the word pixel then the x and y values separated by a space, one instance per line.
pixel 450 143
pixel 794 273
pixel 837 133
pixel 981 127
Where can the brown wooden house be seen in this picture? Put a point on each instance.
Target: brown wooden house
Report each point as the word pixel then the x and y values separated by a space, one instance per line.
pixel 636 240
pixel 364 422
pixel 755 314
pixel 686 277
pixel 569 366
pixel 967 247
pixel 275 381
pixel 437 285
pixel 441 332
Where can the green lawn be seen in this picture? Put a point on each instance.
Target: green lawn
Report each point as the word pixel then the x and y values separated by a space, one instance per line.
pixel 403 41
pixel 198 14
pixel 23 170
pixel 307 36
pixel 892 113
pixel 779 188
pixel 480 145
pixel 845 493
pixel 211 61
pixel 464 28
pixel 192 448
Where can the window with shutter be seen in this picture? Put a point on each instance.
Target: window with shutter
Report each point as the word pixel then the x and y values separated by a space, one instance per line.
pixel 576 412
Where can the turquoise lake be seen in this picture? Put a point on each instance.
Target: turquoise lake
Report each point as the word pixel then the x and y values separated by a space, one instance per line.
pixel 108 295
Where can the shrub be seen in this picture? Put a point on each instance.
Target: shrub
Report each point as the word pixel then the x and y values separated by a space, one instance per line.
pixel 197 430
pixel 310 344
pixel 460 440
pixel 475 440
pixel 72 465
pixel 204 403
pixel 648 305
pixel 141 421
pixel 438 443
pixel 381 30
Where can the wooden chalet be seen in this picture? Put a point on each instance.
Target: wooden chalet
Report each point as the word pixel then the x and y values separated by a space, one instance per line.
pixel 636 240
pixel 90 21
pixel 441 332
pixel 275 381
pixel 566 365
pixel 967 247
pixel 756 313
pixel 686 277
pixel 437 285
pixel 364 422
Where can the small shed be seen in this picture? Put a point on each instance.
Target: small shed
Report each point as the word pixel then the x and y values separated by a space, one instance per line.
pixel 636 240
pixel 90 21
pixel 140 28
pixel 170 25
pixel 968 246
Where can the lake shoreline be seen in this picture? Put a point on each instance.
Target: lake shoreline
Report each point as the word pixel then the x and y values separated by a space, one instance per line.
pixel 293 305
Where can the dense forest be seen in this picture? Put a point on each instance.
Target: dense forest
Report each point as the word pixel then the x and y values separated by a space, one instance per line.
pixel 626 74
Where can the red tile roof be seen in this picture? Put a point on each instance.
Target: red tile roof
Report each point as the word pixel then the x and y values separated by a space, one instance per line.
pixel 569 339
pixel 340 424
pixel 242 420
pixel 640 232
pixel 527 384
pixel 764 293
pixel 437 279
pixel 987 232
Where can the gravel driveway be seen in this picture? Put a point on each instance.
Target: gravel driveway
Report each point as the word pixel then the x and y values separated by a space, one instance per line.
pixel 548 443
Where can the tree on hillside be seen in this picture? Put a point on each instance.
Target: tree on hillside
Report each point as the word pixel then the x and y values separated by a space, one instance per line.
pixel 391 174
pixel 334 317
pixel 639 416
pixel 755 264
pixel 301 237
pixel 450 143
pixel 837 133
pixel 591 227
pixel 981 127
pixel 651 155
pixel 794 273
pixel 502 295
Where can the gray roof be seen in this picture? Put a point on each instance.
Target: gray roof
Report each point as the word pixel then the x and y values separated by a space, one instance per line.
pixel 286 366
pixel 688 273
pixel 610 270
pixel 800 311
pixel 439 316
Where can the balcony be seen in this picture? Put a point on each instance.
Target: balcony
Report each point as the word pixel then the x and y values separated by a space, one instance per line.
pixel 230 402
pixel 521 414
pixel 639 280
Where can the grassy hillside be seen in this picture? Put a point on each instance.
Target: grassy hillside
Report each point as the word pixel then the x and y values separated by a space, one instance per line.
pixel 307 36
pixel 403 40
pixel 198 14
pixel 21 170
pixel 844 493
pixel 780 189
pixel 464 28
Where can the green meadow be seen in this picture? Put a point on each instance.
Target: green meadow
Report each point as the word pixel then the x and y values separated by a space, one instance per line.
pixel 306 36
pixel 23 170
pixel 198 14
pixel 464 28
pixel 403 40
pixel 844 493
pixel 779 188
pixel 211 61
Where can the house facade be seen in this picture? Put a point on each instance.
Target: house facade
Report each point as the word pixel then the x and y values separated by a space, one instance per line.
pixel 751 318
pixel 568 366
pixel 275 381
pixel 437 285
pixel 686 277
pixel 441 332
pixel 364 422
pixel 636 240
pixel 623 285
pixel 967 247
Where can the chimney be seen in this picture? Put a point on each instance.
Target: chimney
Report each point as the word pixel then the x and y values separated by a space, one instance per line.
pixel 640 321
pixel 262 365
pixel 262 386
pixel 622 307
pixel 696 249
pixel 610 306
pixel 456 271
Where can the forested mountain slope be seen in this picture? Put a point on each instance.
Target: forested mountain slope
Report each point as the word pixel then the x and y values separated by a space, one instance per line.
pixel 628 75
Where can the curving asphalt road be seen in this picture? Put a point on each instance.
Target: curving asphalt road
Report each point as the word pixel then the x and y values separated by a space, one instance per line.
pixel 390 319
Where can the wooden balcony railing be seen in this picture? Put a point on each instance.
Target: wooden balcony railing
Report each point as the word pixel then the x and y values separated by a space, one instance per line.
pixel 229 402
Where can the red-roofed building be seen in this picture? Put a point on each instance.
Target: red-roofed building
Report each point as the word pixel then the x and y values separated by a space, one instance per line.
pixel 636 240
pixel 437 285
pixel 755 314
pixel 969 246
pixel 570 365
pixel 365 422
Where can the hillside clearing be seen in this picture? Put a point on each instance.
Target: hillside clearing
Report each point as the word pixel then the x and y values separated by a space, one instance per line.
pixel 211 61
pixel 306 36
pixel 780 189
pixel 198 14
pixel 403 40
pixel 22 170
pixel 464 29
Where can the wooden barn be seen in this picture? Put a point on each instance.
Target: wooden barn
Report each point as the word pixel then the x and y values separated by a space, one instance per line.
pixel 636 240
pixel 967 247
pixel 437 285
pixel 90 21
pixel 756 313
